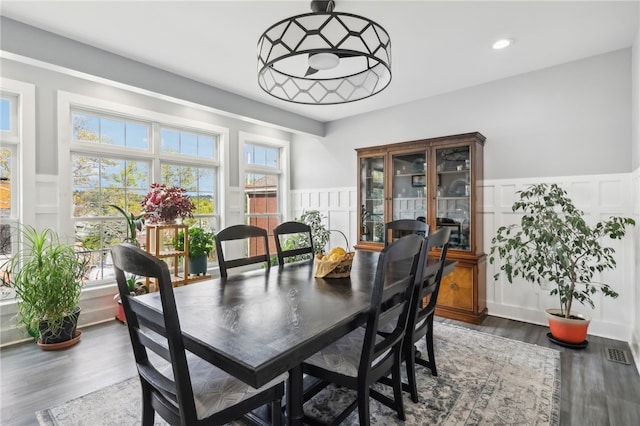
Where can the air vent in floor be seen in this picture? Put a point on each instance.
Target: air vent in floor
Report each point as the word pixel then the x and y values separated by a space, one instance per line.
pixel 617 355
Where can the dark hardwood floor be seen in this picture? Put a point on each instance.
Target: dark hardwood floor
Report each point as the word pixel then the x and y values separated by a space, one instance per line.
pixel 594 391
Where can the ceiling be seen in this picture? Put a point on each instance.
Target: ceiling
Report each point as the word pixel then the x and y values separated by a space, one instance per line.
pixel 437 47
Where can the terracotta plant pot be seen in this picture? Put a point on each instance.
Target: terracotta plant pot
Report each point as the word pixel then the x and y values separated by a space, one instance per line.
pixel 568 330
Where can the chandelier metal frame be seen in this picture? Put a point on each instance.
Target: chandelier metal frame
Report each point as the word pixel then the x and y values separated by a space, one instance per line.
pixel 284 49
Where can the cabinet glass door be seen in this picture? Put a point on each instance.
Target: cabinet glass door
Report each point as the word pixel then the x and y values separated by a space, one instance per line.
pixel 453 194
pixel 372 199
pixel 409 186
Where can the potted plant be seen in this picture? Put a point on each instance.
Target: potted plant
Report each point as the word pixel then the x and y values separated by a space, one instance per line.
pixel 200 245
pixel 164 204
pixel 319 232
pixel 134 224
pixel 47 277
pixel 136 287
pixel 553 243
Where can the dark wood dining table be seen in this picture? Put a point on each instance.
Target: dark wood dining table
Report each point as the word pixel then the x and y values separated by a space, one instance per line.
pixel 259 324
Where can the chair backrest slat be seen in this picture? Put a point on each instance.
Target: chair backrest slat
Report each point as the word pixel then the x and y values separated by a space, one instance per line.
pixel 286 229
pixel 402 227
pixel 174 394
pixel 241 232
pixel 392 290
pixel 428 284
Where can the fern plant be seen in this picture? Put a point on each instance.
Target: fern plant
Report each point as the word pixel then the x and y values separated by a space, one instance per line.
pixel 47 277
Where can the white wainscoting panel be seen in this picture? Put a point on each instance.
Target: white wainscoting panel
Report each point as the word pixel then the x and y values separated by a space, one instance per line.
pixel 599 196
pixel 635 198
pixel 47 202
pixel 338 206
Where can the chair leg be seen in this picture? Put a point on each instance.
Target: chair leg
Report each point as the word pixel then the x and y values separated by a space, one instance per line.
pixel 410 362
pixel 363 406
pixel 396 376
pixel 432 358
pixel 276 412
pixel 148 413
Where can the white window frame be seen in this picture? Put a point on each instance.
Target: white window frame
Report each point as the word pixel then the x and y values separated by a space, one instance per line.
pixel 283 172
pixel 68 102
pixel 21 141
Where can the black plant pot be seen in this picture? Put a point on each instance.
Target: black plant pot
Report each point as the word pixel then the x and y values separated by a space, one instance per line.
pixel 62 334
pixel 198 265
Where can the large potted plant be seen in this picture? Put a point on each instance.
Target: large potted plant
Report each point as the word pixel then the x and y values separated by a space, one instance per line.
pixel 200 245
pixel 554 244
pixel 47 277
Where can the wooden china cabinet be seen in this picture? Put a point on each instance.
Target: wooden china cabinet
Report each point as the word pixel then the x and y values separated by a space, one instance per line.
pixel 439 181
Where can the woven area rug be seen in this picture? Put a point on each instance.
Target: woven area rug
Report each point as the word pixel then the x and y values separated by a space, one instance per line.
pixel 482 380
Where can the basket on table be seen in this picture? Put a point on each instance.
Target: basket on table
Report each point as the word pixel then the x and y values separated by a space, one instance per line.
pixel 338 268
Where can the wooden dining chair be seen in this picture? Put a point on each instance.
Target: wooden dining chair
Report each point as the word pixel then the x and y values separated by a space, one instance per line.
pixel 297 233
pixel 420 323
pixel 184 390
pixel 400 227
pixel 362 357
pixel 241 232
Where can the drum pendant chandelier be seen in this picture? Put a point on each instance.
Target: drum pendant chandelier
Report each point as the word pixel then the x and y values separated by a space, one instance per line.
pixel 324 57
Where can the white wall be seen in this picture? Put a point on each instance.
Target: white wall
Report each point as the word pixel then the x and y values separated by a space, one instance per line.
pixel 49 82
pixel 570 124
pixel 572 119
pixel 635 150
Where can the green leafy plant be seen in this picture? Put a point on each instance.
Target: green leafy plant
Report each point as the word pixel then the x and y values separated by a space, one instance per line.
pixel 319 232
pixel 47 277
pixel 134 222
pixel 200 242
pixel 136 286
pixel 553 243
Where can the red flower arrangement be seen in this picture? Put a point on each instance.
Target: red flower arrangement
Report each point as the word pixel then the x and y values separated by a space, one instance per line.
pixel 166 204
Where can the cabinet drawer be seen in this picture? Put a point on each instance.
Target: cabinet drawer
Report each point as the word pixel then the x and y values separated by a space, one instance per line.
pixel 456 289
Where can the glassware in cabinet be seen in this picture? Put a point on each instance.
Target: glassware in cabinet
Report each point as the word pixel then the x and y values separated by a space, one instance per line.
pixel 453 194
pixel 372 185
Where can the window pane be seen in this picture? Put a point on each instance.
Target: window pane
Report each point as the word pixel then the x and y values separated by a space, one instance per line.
pixel 109 131
pixel 188 143
pixel 199 182
pixel 261 155
pixel 100 181
pixel 170 141
pixel 261 204
pixel 5 182
pixel 5 115
pixel 97 237
pixel 86 128
pixel 136 135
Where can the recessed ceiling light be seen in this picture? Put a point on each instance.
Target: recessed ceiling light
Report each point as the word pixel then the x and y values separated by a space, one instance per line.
pixel 502 43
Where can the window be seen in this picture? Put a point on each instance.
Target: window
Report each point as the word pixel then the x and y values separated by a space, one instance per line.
pixel 17 164
pixel 114 158
pixel 264 184
pixel 8 157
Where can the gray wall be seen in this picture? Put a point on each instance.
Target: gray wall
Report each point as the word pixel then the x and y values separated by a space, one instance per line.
pixel 49 82
pixel 572 119
pixel 31 42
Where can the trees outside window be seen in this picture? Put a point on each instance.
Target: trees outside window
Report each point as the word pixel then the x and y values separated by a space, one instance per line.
pixel 114 160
